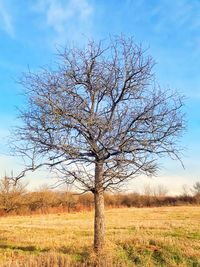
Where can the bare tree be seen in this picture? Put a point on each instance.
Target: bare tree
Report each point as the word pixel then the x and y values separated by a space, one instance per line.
pixel 196 188
pixel 148 191
pixel 99 119
pixel 186 190
pixel 156 191
pixel 11 194
pixel 160 190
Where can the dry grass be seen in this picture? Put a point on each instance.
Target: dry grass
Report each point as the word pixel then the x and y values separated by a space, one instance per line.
pixel 167 236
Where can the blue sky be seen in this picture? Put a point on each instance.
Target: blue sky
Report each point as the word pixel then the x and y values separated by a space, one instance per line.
pixel 31 31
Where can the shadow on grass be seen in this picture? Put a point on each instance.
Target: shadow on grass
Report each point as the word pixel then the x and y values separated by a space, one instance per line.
pixel 78 256
pixel 26 248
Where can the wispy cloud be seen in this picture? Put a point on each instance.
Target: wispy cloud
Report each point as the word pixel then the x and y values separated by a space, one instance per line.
pixel 180 19
pixel 177 15
pixel 63 16
pixel 6 20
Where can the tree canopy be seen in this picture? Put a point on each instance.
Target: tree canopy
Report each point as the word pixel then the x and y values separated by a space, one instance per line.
pixel 100 104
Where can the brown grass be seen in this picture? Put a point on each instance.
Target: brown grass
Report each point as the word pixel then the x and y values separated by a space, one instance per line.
pixel 165 236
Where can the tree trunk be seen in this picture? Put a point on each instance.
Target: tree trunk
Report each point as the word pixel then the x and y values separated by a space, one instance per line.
pixel 99 219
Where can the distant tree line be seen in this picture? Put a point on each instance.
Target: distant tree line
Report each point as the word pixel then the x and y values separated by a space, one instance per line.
pixel 16 199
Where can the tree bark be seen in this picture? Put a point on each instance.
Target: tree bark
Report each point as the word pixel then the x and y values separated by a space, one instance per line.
pixel 99 218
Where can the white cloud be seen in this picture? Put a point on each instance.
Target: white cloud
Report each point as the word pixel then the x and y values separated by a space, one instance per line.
pixel 6 20
pixel 65 17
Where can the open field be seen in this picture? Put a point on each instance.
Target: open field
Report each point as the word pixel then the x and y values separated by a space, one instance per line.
pixel 167 236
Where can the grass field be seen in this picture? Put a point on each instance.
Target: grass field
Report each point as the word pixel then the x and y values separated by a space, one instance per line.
pixel 167 236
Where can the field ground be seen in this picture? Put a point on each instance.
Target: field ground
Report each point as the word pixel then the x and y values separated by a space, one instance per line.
pixel 166 236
